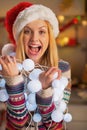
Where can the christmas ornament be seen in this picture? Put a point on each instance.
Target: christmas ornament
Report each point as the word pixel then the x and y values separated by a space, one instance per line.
pixel 3 95
pixel 2 83
pixel 28 65
pixel 37 117
pixel 67 117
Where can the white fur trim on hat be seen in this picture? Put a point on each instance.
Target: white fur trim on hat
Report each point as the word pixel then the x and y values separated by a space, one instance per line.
pixel 8 49
pixel 32 13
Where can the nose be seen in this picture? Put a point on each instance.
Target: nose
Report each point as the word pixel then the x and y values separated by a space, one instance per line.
pixel 34 36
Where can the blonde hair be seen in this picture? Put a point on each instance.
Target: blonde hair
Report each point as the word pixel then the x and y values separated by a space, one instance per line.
pixel 50 57
pixel 20 52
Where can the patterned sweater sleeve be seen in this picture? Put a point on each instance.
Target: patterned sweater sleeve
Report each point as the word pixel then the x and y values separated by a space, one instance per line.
pixel 17 114
pixel 66 72
pixel 46 107
pixel 44 99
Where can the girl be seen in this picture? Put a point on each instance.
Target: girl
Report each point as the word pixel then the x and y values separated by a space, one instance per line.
pixel 32 30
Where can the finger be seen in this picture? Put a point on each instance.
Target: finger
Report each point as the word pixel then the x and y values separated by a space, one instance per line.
pixel 9 59
pixel 59 74
pixel 14 60
pixel 2 61
pixel 0 72
pixel 52 73
pixel 50 70
pixel 4 64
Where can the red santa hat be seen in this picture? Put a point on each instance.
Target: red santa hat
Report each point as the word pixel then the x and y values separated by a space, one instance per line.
pixel 11 17
pixel 24 13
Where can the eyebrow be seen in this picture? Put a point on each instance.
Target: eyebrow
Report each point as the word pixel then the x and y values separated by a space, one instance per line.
pixel 45 27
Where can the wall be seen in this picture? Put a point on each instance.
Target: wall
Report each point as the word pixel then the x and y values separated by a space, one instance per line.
pixel 64 7
pixel 77 55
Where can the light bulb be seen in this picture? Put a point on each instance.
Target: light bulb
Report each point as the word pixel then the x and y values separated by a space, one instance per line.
pixel 28 65
pixel 57 116
pixel 35 74
pixel 25 94
pixel 57 95
pixel 0 67
pixel 62 106
pixel 3 95
pixel 56 83
pixel 12 54
pixel 32 98
pixel 20 67
pixel 2 83
pixel 67 117
pixel 55 75
pixel 34 86
pixel 31 107
pixel 37 117
pixel 64 81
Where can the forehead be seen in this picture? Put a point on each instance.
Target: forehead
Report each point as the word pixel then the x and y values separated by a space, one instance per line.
pixel 37 24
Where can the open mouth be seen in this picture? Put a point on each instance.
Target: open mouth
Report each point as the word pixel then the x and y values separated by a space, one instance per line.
pixel 34 49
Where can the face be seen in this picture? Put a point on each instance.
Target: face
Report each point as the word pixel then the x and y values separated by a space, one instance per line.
pixel 36 39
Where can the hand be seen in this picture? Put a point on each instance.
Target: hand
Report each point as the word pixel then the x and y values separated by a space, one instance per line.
pixel 46 77
pixel 9 66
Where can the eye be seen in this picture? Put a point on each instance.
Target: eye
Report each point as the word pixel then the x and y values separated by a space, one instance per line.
pixel 42 32
pixel 27 31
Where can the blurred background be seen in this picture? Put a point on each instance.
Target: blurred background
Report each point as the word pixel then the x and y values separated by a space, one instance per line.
pixel 72 47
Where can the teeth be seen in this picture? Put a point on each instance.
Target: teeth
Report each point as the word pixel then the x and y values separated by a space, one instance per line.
pixel 35 49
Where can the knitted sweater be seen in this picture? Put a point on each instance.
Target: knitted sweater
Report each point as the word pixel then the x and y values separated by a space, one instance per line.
pixel 17 113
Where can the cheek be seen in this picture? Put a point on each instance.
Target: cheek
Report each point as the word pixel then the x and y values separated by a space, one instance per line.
pixel 25 40
pixel 46 43
pixel 25 47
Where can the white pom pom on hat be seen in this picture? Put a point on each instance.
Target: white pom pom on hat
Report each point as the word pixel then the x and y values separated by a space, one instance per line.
pixel 32 13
